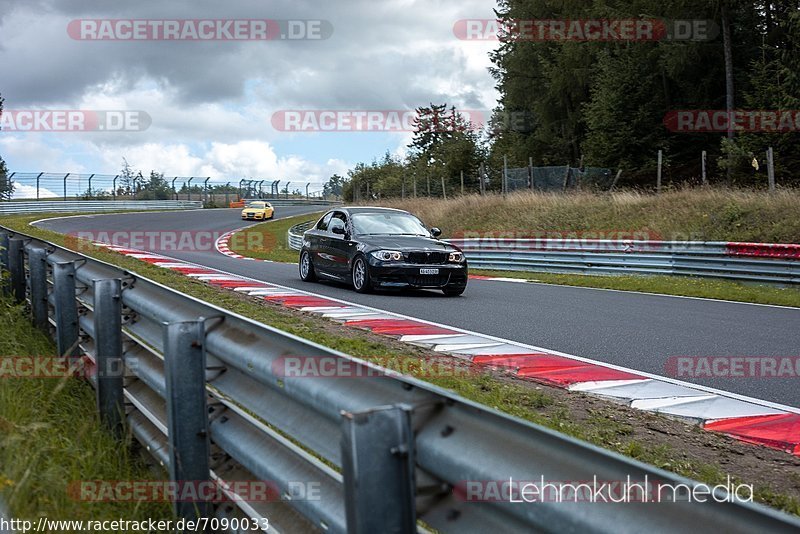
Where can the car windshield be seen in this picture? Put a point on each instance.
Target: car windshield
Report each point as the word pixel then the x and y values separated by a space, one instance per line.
pixel 388 223
pixel 256 205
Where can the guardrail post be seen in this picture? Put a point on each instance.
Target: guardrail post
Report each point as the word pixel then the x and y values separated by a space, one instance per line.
pixel 16 266
pixel 66 309
pixel 4 262
pixel 187 412
pixel 37 267
pixel 378 469
pixel 108 354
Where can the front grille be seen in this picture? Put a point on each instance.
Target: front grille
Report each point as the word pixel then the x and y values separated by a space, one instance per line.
pixel 427 258
pixel 430 280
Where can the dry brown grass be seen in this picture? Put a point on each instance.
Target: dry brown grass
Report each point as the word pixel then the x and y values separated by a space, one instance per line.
pixel 697 214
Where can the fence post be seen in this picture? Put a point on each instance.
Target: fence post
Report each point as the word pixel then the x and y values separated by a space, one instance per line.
pixel 107 320
pixel 189 189
pixel 428 177
pixel 114 188
pixel 771 169
pixel 66 309
pixel 4 266
pixel 444 189
pixel 566 179
pixel 481 175
pixel 530 174
pixel 658 177
pixel 65 185
pixel 705 176
pixel 307 197
pixel 504 186
pixel 403 188
pixel 415 186
pixel 37 267
pixel 37 185
pixel 16 267
pixel 378 452
pixel 462 183
pixel 187 411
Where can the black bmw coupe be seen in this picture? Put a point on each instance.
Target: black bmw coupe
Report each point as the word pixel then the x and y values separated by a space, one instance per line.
pixel 373 248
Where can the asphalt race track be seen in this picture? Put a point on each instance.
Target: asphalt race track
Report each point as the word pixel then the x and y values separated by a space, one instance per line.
pixel 633 330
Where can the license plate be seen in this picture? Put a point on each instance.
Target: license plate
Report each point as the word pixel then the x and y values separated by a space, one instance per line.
pixel 429 271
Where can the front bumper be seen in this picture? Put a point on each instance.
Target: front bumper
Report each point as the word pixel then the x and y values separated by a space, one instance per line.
pixel 254 217
pixel 389 274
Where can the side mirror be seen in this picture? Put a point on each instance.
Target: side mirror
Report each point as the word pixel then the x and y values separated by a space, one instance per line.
pixel 435 232
pixel 339 230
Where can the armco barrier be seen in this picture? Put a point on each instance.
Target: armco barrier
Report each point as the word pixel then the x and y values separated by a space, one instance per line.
pixel 52 206
pixel 692 258
pixel 734 261
pixel 203 391
pixel 295 234
pixel 286 202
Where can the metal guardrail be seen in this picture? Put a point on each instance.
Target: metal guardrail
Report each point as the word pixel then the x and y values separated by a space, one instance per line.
pixel 51 206
pixel 295 234
pixel 706 259
pixel 734 261
pixel 295 201
pixel 201 387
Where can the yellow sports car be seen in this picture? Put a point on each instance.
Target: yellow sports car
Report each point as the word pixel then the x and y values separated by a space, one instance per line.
pixel 258 211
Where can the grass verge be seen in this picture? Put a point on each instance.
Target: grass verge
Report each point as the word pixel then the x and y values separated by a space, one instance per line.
pixel 50 437
pixel 273 244
pixel 671 445
pixel 667 285
pixel 695 214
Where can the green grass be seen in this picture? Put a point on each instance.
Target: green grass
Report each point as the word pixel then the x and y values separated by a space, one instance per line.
pixel 667 285
pixel 700 214
pixel 50 436
pixel 532 403
pixel 267 240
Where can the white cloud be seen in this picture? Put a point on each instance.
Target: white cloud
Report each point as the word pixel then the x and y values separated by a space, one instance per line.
pixel 211 103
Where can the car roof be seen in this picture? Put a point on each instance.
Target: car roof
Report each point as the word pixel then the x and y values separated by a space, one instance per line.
pixel 367 209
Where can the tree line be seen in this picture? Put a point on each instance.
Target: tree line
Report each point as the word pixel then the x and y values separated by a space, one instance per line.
pixel 608 103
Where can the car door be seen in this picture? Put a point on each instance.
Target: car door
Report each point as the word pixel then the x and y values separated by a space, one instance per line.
pixel 319 244
pixel 340 246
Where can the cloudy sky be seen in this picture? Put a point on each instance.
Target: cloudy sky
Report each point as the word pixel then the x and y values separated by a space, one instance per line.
pixel 212 103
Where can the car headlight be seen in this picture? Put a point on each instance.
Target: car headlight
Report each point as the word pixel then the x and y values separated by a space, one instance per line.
pixel 456 257
pixel 387 255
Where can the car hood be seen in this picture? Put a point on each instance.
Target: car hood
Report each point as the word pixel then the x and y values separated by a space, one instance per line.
pixel 375 242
